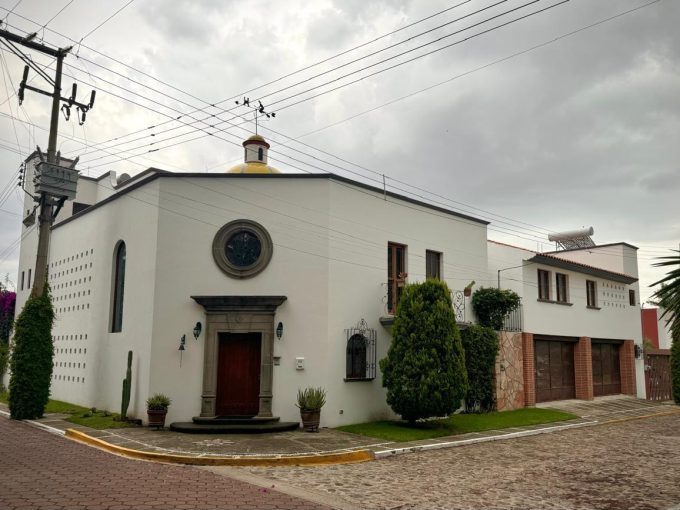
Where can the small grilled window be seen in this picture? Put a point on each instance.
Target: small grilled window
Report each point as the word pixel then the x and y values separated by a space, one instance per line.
pixel 360 354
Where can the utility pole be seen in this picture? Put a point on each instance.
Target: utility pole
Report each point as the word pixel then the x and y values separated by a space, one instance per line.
pixel 55 184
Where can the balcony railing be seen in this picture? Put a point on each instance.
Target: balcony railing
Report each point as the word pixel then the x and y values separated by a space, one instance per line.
pixel 513 321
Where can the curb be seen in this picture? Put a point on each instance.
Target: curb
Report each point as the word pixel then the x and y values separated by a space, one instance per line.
pixel 37 424
pixel 464 442
pixel 641 417
pixel 233 460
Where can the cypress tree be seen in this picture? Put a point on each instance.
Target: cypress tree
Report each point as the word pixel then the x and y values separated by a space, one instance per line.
pixel 424 371
pixel 31 362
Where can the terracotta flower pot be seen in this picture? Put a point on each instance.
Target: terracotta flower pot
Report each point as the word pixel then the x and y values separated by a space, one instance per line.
pixel 310 419
pixel 467 292
pixel 157 417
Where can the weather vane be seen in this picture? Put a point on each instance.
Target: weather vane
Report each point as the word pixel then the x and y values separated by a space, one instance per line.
pixel 258 110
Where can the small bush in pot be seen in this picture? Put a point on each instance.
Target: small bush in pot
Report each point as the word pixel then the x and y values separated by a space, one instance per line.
pixel 157 409
pixel 310 401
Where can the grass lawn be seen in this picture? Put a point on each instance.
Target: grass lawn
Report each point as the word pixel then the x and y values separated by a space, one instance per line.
pixel 456 424
pixel 80 415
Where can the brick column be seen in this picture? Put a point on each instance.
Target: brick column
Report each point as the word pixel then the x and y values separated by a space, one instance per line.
pixel 529 369
pixel 583 368
pixel 627 365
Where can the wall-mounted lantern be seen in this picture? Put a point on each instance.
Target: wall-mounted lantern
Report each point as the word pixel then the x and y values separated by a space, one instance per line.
pixel 182 342
pixel 197 330
pixel 638 352
pixel 279 330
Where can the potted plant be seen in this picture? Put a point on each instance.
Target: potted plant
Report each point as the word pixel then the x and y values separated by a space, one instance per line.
pixel 310 401
pixel 467 291
pixel 157 409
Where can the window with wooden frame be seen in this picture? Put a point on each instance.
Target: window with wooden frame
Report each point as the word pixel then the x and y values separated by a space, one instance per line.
pixel 591 293
pixel 396 274
pixel 631 297
pixel 433 264
pixel 543 284
pixel 562 287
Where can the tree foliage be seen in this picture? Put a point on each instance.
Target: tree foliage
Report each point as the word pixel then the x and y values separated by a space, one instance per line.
pixel 481 348
pixel 31 362
pixel 424 371
pixel 675 367
pixel 668 298
pixel 492 306
pixel 7 301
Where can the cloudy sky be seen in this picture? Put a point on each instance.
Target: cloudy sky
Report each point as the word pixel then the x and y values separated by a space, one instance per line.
pixel 539 125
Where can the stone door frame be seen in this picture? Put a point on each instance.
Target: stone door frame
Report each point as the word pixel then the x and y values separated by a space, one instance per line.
pixel 238 314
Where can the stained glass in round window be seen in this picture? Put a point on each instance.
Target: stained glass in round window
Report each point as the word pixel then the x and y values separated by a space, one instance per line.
pixel 243 248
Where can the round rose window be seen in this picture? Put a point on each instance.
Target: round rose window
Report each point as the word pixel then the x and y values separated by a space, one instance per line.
pixel 242 248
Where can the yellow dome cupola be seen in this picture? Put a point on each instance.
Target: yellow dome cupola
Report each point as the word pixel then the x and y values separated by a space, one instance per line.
pixel 255 158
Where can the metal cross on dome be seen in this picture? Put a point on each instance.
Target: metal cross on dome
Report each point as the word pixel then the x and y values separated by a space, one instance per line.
pixel 258 110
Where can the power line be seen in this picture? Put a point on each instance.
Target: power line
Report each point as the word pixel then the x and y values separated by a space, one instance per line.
pixel 103 22
pixel 222 121
pixel 542 239
pixel 57 14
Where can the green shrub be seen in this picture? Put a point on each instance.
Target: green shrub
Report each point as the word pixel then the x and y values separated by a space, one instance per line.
pixel 481 348
pixel 31 362
pixel 492 306
pixel 424 371
pixel 675 367
pixel 4 360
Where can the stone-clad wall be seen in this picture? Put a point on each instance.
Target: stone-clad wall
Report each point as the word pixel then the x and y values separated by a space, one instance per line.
pixel 509 371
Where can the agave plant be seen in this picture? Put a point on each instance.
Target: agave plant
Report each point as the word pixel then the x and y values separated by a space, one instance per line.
pixel 311 399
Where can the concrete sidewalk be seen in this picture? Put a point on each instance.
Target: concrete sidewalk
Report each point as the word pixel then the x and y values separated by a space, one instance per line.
pixel 329 445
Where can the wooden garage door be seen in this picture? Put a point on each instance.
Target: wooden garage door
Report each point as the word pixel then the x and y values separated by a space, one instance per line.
pixel 554 361
pixel 606 369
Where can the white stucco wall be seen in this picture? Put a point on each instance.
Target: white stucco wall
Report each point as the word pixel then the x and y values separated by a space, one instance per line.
pixel 330 245
pixel 616 318
pixel 617 257
pixel 358 276
pixel 133 219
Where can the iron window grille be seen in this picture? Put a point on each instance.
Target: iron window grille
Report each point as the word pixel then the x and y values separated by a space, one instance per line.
pixel 360 353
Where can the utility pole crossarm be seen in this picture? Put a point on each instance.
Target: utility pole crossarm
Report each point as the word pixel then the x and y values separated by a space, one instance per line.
pixel 29 43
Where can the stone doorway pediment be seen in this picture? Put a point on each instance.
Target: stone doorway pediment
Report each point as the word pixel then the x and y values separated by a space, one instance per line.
pixel 238 314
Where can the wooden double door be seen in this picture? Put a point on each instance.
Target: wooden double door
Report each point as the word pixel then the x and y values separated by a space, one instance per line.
pixel 238 374
pixel 554 364
pixel 606 368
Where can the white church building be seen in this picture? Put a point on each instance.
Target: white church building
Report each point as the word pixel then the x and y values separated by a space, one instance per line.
pixel 234 290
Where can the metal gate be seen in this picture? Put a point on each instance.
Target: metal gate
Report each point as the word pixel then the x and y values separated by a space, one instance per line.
pixel 658 375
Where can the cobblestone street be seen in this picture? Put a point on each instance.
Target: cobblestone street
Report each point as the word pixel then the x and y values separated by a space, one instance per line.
pixel 625 465
pixel 41 471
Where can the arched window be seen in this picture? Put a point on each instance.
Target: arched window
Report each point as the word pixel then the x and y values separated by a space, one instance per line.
pixel 260 154
pixel 356 357
pixel 118 288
